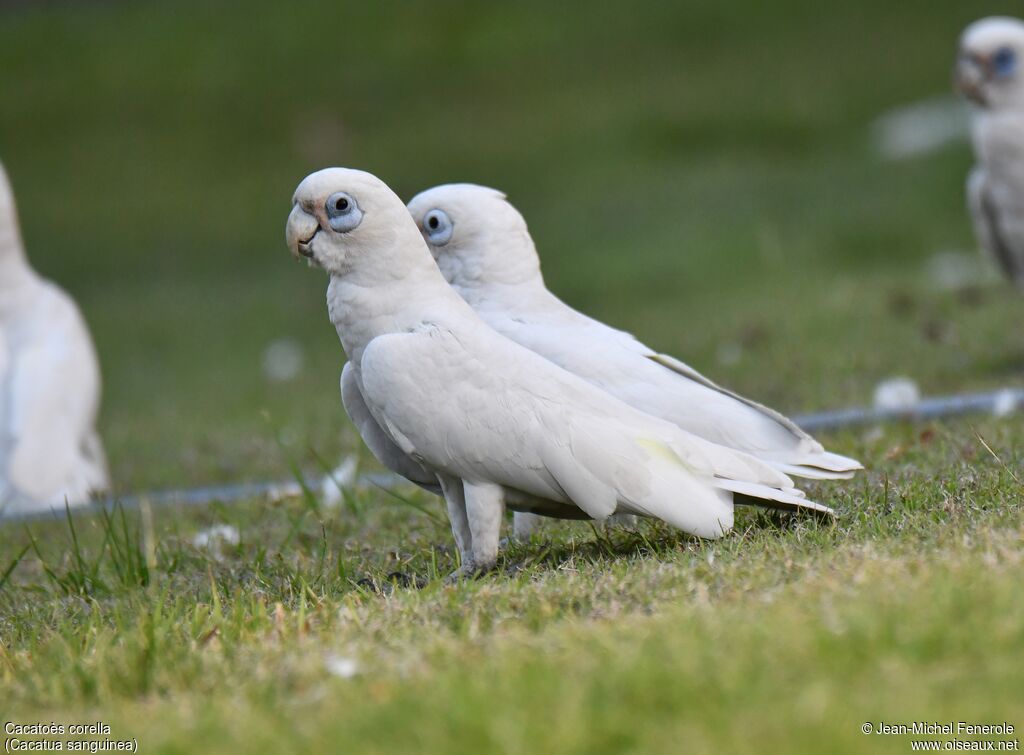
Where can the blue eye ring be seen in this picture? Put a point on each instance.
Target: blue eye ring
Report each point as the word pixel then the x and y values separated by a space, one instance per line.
pixel 343 213
pixel 438 227
pixel 1004 61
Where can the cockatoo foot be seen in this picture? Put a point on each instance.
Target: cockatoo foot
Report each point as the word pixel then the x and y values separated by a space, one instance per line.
pixel 467 572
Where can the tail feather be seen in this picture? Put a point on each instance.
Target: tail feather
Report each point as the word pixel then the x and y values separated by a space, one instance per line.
pixel 752 494
pixel 832 462
pixel 812 473
pixel 807 458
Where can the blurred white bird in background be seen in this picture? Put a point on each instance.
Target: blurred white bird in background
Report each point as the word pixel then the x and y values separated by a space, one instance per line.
pixel 491 421
pixel 990 73
pixel 50 452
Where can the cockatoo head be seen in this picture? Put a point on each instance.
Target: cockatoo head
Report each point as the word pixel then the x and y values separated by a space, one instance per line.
pixel 344 219
pixel 10 235
pixel 475 235
pixel 990 66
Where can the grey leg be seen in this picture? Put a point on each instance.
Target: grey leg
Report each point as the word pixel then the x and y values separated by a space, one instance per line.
pixel 629 521
pixel 524 524
pixel 454 496
pixel 485 505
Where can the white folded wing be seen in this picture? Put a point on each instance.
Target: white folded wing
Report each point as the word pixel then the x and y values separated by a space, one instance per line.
pixel 998 214
pixel 665 387
pixel 479 407
pixel 377 440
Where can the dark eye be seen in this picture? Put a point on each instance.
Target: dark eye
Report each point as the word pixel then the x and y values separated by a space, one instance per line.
pixel 343 212
pixel 1004 61
pixel 438 227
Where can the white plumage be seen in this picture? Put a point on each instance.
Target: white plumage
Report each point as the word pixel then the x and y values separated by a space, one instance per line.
pixel 990 73
pixel 484 249
pixel 50 452
pixel 493 422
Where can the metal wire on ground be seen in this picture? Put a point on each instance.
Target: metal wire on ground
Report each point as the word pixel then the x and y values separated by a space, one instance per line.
pixel 1001 402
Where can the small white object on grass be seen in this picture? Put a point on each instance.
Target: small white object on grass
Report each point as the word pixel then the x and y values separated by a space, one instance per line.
pixel 341 478
pixel 341 666
pixel 1006 403
pixel 495 423
pixel 897 394
pixel 213 537
pixel 283 360
pixel 50 452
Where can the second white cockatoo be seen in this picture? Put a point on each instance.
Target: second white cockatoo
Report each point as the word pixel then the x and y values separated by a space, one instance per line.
pixel 492 422
pixel 483 248
pixel 50 452
pixel 990 74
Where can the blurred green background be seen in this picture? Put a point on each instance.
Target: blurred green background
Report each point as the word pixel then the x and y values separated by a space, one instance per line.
pixel 701 173
pixel 704 174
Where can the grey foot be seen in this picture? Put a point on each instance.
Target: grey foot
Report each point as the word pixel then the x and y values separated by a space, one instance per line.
pixel 467 572
pixel 628 521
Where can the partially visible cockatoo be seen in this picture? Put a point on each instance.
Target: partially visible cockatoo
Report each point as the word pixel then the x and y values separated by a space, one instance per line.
pixel 50 453
pixel 492 422
pixel 483 248
pixel 990 73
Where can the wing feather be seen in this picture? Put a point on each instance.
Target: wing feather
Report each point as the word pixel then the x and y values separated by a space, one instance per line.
pixel 381 445
pixel 487 410
pixel 988 227
pixel 812 461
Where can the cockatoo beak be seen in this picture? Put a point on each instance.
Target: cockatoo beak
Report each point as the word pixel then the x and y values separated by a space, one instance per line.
pixel 970 75
pixel 300 231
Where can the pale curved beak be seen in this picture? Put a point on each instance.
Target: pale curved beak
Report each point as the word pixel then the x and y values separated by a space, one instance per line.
pixel 969 77
pixel 300 231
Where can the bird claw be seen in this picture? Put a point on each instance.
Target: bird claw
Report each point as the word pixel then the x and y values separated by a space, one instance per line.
pixel 459 575
pixel 468 571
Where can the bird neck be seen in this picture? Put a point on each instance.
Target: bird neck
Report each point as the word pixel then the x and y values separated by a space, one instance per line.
pixel 363 309
pixel 15 272
pixel 526 294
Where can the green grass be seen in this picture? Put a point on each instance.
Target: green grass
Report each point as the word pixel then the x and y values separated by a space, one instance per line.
pixel 786 634
pixel 698 173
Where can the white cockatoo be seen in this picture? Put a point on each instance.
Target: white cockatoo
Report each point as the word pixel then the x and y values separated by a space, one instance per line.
pixel 483 248
pixel 454 403
pixel 50 453
pixel 990 73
